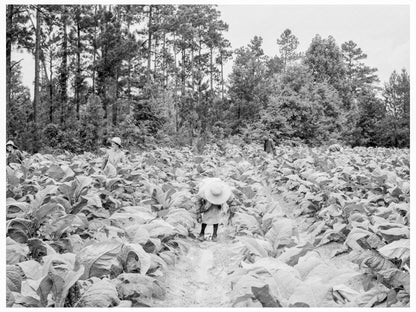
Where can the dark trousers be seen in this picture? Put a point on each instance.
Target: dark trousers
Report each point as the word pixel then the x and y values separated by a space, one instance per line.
pixel 204 225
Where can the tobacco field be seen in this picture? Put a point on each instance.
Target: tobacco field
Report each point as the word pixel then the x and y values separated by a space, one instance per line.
pixel 315 227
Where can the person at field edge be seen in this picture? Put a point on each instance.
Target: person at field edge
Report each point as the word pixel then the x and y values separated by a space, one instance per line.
pixel 115 155
pixel 269 145
pixel 13 153
pixel 213 195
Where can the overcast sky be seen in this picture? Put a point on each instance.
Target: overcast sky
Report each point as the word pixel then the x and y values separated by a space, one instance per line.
pixel 381 31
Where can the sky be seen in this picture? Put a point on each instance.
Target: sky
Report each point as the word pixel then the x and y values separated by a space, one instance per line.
pixel 381 31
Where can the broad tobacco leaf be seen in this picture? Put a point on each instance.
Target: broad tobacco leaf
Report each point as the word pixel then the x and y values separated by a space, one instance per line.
pixel 101 294
pixel 132 215
pixel 82 182
pixel 262 294
pixel 393 231
pixel 242 285
pixel 9 297
pixel 331 236
pixel 15 252
pixel 396 278
pixel 125 219
pixel 331 275
pixel 307 263
pixel 21 301
pixel 134 257
pixel 159 228
pixel 32 269
pixel 181 199
pixel 356 238
pixel 180 216
pixel 39 248
pixel 291 256
pixel 256 246
pixel 16 208
pixel 157 262
pixel 399 249
pixel 19 229
pixel 12 177
pixel 310 292
pixel 63 202
pixel 100 259
pixel 73 243
pixel 130 286
pixel 48 211
pixel 374 260
pixel 281 232
pixel 245 221
pixel 93 199
pixel 286 283
pixel 137 234
pixel 343 294
pixel 66 224
pixel 13 278
pixel 168 257
pixel 60 272
pixel 41 196
pixel 372 297
pixel 68 189
pixel 55 172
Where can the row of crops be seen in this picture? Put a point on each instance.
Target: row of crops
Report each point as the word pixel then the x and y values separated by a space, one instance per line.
pixel 356 200
pixel 78 236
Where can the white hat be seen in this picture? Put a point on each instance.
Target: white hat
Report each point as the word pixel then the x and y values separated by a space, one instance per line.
pixel 10 142
pixel 215 191
pixel 116 140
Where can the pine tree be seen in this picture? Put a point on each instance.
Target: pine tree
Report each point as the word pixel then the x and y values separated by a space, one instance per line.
pixel 359 78
pixel 288 43
pixel 397 101
pixel 324 60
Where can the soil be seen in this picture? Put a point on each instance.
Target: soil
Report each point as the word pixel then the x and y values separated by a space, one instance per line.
pixel 199 279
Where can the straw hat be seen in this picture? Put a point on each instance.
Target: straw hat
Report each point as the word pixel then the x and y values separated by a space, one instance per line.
pixel 116 140
pixel 10 142
pixel 215 191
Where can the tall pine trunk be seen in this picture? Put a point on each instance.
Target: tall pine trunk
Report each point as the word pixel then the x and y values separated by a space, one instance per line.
pixel 64 67
pixel 51 108
pixel 8 63
pixel 210 69
pixel 222 77
pixel 78 76
pixel 183 72
pixel 115 101
pixel 94 50
pixel 164 62
pixel 36 91
pixel 149 45
pixel 175 106
pixel 45 72
pixel 128 74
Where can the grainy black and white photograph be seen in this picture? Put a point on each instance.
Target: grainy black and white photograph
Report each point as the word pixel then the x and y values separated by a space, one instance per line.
pixel 207 155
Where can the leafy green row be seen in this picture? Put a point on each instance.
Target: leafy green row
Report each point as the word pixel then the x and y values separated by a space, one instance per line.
pixel 77 236
pixel 358 197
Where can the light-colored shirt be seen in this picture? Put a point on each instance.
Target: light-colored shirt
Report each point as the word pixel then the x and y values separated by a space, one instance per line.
pixel 115 157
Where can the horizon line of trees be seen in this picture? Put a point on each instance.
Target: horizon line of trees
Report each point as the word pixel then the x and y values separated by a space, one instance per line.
pixel 155 73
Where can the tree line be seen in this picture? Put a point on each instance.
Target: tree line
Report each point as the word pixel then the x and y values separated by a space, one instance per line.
pixel 155 73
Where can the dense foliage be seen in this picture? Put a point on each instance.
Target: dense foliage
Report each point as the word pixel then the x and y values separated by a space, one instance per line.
pixel 78 236
pixel 157 71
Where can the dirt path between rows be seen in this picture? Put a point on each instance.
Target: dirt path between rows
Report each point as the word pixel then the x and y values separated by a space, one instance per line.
pixel 199 278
